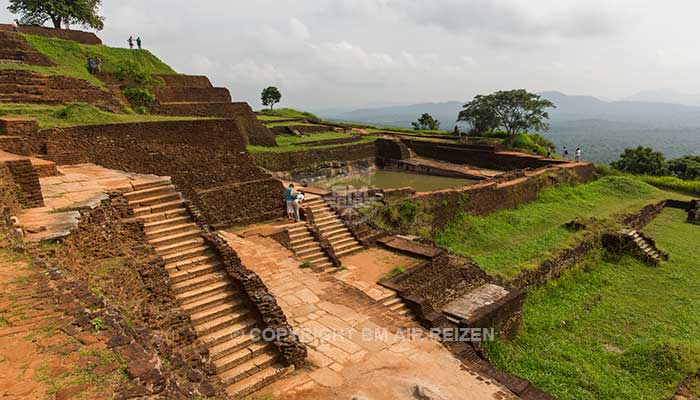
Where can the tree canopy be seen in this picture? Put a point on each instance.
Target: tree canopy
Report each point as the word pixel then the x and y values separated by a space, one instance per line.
pixel 426 122
pixel 642 160
pixel 270 96
pixel 687 167
pixel 514 111
pixel 78 12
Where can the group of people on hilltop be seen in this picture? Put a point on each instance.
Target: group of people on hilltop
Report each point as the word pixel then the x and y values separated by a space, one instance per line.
pixel 131 42
pixel 294 201
pixel 565 153
pixel 94 66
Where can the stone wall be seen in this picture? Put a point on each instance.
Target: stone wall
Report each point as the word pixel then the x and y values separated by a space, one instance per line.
pixel 483 158
pixel 185 81
pixel 27 182
pixel 694 212
pixel 23 86
pixel 303 129
pixel 207 159
pixel 441 280
pixel 13 48
pixel 18 126
pixel 294 160
pixel 392 149
pixel 174 94
pixel 76 36
pixel 9 204
pixel 497 194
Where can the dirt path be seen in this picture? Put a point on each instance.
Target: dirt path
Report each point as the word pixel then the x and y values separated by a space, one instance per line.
pixel 38 360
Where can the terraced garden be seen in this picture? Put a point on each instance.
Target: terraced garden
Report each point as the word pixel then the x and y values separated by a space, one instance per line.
pixel 614 328
pixel 506 242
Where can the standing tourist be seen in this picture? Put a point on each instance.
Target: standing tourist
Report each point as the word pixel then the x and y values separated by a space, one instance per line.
pixel 578 154
pixel 289 200
pixel 138 42
pixel 15 25
pixel 91 66
pixel 549 151
pixel 98 64
pixel 131 42
pixel 565 153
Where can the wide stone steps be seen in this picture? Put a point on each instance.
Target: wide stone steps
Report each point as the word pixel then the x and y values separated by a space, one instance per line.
pixel 219 313
pixel 248 368
pixel 197 282
pixel 170 229
pixel 239 357
pixel 258 381
pixel 222 322
pixel 187 254
pixel 180 246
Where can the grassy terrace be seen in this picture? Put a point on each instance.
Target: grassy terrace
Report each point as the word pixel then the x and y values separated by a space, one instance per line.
pixel 288 143
pixel 615 328
pixel 71 58
pixel 506 242
pixel 49 116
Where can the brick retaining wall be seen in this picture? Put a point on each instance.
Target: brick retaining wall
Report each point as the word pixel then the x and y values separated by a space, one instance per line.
pixel 27 180
pixel 206 158
pixel 292 160
pixel 76 36
pixel 9 204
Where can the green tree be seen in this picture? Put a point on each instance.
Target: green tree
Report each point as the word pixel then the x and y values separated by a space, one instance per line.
pixel 513 110
pixel 642 160
pixel 426 122
pixel 479 115
pixel 270 96
pixel 687 167
pixel 78 12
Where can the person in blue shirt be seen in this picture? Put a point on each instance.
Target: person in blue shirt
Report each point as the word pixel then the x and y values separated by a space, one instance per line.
pixel 289 196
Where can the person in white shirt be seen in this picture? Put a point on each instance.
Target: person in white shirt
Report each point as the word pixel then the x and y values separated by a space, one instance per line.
pixel 578 154
pixel 15 25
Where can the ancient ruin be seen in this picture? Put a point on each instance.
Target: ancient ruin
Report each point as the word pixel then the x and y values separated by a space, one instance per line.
pixel 159 248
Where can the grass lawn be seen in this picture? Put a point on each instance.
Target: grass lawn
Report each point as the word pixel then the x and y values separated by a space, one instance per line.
pixel 614 328
pixel 288 123
pixel 71 58
pixel 287 113
pixel 50 116
pixel 288 143
pixel 506 242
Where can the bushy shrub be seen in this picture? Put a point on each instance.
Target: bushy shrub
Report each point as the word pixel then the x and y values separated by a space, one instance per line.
pixel 642 160
pixel 687 167
pixel 141 99
pixel 673 183
pixel 401 214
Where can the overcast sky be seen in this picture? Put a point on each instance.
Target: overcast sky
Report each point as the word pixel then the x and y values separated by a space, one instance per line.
pixel 354 53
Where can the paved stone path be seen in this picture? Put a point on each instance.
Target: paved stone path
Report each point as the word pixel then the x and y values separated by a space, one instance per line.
pixel 357 347
pixel 78 187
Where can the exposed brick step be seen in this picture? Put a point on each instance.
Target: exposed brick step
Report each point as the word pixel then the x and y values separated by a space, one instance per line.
pixel 232 345
pixel 201 303
pixel 158 199
pixel 160 188
pixel 216 311
pixel 180 246
pixel 194 270
pixel 171 229
pixel 166 223
pixel 186 232
pixel 204 292
pixel 237 358
pixel 196 282
pixel 258 381
pixel 248 368
pixel 224 334
pixel 186 254
pixel 223 322
pixel 158 208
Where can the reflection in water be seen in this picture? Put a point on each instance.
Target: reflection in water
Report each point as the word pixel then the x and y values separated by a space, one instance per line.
pixel 396 179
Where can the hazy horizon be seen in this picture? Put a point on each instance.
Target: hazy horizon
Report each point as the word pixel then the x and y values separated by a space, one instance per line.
pixel 364 53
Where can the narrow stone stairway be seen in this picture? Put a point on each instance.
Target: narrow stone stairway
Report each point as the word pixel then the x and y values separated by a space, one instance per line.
pixel 220 315
pixel 306 247
pixel 395 304
pixel 652 253
pixel 330 225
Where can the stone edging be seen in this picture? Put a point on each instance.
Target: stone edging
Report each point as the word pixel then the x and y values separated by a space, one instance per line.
pixel 290 347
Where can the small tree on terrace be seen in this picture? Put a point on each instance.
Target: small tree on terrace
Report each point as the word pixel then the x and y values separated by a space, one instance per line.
pixel 270 96
pixel 79 12
pixel 514 110
pixel 426 122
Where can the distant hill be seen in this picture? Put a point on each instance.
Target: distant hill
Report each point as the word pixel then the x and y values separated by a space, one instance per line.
pixel 666 96
pixel 603 129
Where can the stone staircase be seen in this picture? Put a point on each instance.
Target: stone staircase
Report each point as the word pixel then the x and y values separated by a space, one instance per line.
pixel 332 228
pixel 652 254
pixel 220 315
pixel 305 246
pixel 395 304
